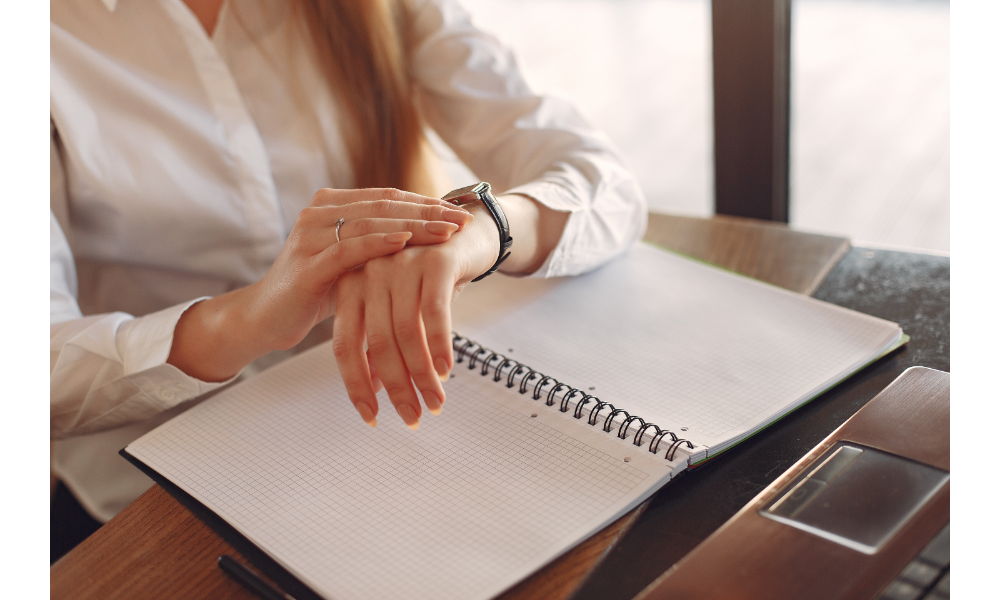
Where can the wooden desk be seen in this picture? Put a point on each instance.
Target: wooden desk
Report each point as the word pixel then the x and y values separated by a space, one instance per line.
pixel 156 548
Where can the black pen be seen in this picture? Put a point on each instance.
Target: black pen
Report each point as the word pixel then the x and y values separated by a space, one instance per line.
pixel 251 580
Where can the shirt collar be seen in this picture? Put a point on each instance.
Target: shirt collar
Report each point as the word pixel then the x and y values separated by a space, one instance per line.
pixel 111 4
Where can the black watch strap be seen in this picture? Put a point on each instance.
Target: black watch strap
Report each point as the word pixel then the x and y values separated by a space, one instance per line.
pixel 483 193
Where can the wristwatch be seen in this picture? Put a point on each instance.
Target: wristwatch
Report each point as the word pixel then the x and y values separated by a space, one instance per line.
pixel 481 192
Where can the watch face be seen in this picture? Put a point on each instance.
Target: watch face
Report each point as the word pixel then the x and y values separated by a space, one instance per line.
pixel 467 194
pixel 463 199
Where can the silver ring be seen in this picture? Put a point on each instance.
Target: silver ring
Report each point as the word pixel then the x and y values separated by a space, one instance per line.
pixel 339 222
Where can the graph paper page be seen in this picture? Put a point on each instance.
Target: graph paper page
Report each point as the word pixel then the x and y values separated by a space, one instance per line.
pixel 477 499
pixel 705 353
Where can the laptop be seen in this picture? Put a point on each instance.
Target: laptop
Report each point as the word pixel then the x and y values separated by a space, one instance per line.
pixel 864 515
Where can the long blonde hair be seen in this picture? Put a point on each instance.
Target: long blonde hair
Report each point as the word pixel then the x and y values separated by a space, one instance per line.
pixel 362 46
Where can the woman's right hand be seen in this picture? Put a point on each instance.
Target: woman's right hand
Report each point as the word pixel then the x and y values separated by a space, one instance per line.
pixel 216 338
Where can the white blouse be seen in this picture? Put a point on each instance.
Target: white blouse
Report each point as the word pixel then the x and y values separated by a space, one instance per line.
pixel 180 161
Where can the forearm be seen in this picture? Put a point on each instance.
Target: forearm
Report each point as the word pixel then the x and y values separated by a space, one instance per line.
pixel 216 338
pixel 536 230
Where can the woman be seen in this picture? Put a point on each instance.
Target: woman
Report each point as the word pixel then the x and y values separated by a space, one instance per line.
pixel 188 140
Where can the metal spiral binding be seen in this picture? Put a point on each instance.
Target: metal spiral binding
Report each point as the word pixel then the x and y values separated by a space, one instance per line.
pixel 550 399
pixel 468 349
pixel 578 413
pixel 564 403
pixel 489 359
pixel 503 363
pixel 538 386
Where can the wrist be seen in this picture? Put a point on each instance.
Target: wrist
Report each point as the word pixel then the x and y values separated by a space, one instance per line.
pixel 483 239
pixel 253 317
pixel 481 195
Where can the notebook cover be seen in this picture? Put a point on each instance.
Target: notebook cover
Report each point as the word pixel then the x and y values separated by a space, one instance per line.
pixel 268 566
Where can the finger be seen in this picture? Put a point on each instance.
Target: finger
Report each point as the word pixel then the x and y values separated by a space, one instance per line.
pixel 321 217
pixel 376 380
pixel 349 350
pixel 412 342
pixel 332 197
pixel 384 354
pixel 424 232
pixel 387 209
pixel 324 268
pixel 435 310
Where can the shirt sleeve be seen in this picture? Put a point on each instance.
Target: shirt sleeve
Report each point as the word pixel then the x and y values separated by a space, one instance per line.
pixel 474 96
pixel 105 370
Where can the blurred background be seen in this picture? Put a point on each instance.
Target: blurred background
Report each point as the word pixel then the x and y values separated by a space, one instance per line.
pixel 869 155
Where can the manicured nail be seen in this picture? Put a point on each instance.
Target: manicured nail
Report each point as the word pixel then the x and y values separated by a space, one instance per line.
pixel 433 402
pixel 398 237
pixel 440 228
pixel 457 216
pixel 409 416
pixel 441 366
pixel 367 414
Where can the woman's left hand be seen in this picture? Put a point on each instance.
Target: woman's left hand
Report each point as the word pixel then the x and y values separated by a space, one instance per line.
pixel 401 304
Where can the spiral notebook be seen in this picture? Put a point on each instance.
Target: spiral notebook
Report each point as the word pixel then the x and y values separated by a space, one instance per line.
pixel 572 400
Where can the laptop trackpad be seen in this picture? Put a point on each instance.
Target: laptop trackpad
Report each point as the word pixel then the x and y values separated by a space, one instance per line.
pixel 857 496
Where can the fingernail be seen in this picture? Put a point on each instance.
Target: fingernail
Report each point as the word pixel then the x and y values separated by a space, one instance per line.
pixel 409 416
pixel 433 402
pixel 457 216
pixel 440 228
pixel 367 414
pixel 398 237
pixel 441 365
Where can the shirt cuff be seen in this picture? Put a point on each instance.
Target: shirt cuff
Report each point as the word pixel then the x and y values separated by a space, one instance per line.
pixel 552 195
pixel 149 340
pixel 556 197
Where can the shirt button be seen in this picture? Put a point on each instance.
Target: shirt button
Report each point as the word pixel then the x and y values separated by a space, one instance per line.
pixel 167 394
